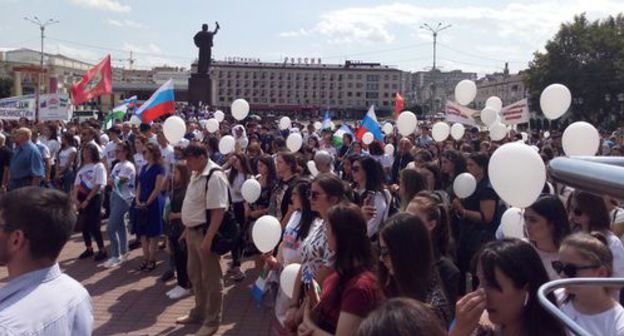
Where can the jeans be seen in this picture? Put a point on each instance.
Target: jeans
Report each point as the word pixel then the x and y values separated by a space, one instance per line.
pixel 116 227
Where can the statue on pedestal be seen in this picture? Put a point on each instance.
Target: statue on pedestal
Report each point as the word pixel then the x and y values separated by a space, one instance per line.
pixel 203 41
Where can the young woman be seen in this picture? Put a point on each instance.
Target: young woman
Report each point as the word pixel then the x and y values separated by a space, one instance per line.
pixel 66 160
pixel 510 273
pixel 301 223
pixel 593 308
pixel 547 225
pixel 286 167
pixel 351 291
pixel 370 193
pixel 405 238
pixel 378 153
pixel 347 169
pixel 174 229
pixel 88 187
pixel 433 177
pixel 149 203
pixel 122 181
pixel 237 175
pixel 401 317
pixel 430 208
pixel 411 183
pixel 452 163
pixel 138 158
pixel 267 176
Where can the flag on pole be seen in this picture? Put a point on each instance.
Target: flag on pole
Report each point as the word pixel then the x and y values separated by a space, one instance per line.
pixel 456 113
pixel 118 113
pixel 96 82
pixel 369 124
pixel 160 103
pixel 326 120
pixel 516 113
pixel 399 104
pixel 337 137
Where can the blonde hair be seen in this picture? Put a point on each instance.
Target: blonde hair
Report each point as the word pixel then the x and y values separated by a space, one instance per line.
pixel 592 247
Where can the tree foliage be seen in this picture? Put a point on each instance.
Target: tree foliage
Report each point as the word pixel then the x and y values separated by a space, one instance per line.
pixel 587 57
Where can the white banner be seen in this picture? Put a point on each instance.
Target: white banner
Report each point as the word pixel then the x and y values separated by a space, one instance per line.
pixel 456 113
pixel 516 113
pixel 51 107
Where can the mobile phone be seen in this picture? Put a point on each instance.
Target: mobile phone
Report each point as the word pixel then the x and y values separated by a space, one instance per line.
pixel 370 198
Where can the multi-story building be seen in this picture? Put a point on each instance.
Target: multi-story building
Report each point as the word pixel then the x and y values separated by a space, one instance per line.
pixel 508 87
pixel 421 86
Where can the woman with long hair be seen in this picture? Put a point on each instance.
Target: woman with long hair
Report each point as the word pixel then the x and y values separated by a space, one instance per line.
pixel 403 239
pixel 122 180
pixel 371 194
pixel 239 172
pixel 351 292
pixel 267 177
pixel 411 183
pixel 547 225
pixel 286 166
pixel 149 204
pixel 452 163
pixel 510 273
pixel 66 161
pixel 401 317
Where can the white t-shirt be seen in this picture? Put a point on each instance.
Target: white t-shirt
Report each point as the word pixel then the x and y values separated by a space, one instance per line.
pixel 547 259
pixel 608 323
pixel 125 189
pixel 89 176
pixel 64 155
pixel 139 161
pixel 109 152
pixel 45 153
pixel 616 247
pixel 236 186
pixel 54 146
pixel 168 158
pixel 385 160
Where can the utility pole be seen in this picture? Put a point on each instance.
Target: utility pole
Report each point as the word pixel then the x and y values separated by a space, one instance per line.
pixel 42 25
pixel 438 28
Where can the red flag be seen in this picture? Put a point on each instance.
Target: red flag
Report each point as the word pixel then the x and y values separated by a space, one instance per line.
pixel 96 82
pixel 399 104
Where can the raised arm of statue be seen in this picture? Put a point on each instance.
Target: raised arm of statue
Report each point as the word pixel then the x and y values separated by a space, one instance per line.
pixel 216 27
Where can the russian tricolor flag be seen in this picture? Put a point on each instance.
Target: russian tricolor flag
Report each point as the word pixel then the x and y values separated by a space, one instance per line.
pixel 369 124
pixel 160 103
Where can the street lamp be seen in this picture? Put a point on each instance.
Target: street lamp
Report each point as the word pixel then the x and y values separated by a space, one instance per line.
pixel 434 31
pixel 42 25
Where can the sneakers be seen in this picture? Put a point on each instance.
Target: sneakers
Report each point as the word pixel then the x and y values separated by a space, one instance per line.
pixel 86 254
pixel 101 255
pixel 112 262
pixel 178 293
pixel 188 319
pixel 237 274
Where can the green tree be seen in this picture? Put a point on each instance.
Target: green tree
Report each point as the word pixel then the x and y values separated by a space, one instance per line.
pixel 6 84
pixel 587 57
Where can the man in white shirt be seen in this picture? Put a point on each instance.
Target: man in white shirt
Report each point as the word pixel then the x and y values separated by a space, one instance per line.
pixel 109 150
pixel 166 151
pixel 204 266
pixel 35 224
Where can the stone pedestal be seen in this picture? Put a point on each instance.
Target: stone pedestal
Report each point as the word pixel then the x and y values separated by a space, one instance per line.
pixel 200 89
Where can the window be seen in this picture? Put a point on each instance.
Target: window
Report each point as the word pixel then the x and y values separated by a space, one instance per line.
pixel 349 85
pixel 372 95
pixel 372 78
pixel 349 94
pixel 358 76
pixel 371 86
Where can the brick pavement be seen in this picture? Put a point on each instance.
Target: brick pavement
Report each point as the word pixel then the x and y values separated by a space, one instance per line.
pixel 127 302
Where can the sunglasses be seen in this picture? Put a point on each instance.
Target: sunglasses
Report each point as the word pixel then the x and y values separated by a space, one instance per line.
pixel 570 270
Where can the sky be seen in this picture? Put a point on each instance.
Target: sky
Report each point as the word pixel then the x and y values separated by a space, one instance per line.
pixel 484 34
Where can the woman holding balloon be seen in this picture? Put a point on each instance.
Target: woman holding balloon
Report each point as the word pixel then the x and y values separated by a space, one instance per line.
pixel 237 175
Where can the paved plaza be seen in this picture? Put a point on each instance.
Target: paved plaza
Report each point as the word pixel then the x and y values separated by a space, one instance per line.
pixel 128 302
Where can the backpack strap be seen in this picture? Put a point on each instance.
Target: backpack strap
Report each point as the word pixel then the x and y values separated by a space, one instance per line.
pixel 208 179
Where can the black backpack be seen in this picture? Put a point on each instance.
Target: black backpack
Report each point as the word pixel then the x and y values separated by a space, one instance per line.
pixel 226 237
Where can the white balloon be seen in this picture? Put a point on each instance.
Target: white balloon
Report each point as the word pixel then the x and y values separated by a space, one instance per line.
pixel 203 122
pixel 525 136
pixel 368 138
pixel 488 116
pixel 294 142
pixel 457 131
pixel 318 125
pixel 387 128
pixel 512 223
pixel 580 138
pixel 517 174
pixel 495 103
pixel 312 168
pixel 240 109
pixel 465 92
pixel 226 144
pixel 285 123
pixel 219 115
pixel 546 135
pixel 288 278
pixel 134 120
pixel 406 123
pixel 389 149
pixel 555 100
pixel 174 129
pixel 212 125
pixel 440 131
pixel 251 190
pixel 464 185
pixel 498 132
pixel 266 233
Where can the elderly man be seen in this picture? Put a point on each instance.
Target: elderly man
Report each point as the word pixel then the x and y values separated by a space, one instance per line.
pixel 27 167
pixel 38 299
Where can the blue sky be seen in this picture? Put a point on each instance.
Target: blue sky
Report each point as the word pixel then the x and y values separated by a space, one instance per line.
pixel 484 34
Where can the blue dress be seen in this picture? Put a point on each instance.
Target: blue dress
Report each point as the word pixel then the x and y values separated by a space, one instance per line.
pixel 149 221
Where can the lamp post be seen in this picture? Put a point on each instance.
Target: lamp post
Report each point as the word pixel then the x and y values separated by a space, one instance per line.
pixel 434 31
pixel 42 25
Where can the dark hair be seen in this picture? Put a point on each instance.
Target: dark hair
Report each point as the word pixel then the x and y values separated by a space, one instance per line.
pixel 92 151
pixel 407 239
pixel 375 148
pixel 302 187
pixel 437 175
pixel 53 131
pixel 425 155
pixel 374 173
pixel 482 160
pixel 143 127
pixel 332 186
pixel 46 216
pixel 291 161
pixel 411 182
pixel 349 136
pixel 520 262
pixel 213 144
pixel 401 317
pixel 268 161
pixel 155 151
pixel 115 129
pixel 127 150
pixel 245 165
pixel 195 150
pixel 459 164
pixel 433 206
pixel 184 174
pixel 69 138
pixel 552 209
pixel 595 208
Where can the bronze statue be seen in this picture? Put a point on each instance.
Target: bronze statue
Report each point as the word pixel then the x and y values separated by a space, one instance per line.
pixel 203 40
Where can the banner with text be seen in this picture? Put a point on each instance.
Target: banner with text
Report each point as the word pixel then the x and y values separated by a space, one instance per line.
pixel 51 107
pixel 516 113
pixel 456 113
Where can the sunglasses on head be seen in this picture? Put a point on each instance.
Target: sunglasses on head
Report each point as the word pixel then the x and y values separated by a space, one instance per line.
pixel 570 270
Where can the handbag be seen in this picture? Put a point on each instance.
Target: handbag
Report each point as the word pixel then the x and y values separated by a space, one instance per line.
pixel 226 237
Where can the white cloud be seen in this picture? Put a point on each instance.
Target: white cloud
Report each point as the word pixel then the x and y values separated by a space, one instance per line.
pixel 106 5
pixel 124 23
pixel 151 55
pixel 77 53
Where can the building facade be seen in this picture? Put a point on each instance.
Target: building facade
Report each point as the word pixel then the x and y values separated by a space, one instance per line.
pixel 508 87
pixel 420 88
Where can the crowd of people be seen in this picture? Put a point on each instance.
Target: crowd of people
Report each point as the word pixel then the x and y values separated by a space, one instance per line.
pixel 385 245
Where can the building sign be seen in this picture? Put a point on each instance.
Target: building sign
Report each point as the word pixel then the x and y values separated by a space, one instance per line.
pixel 51 107
pixel 302 60
pixel 242 60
